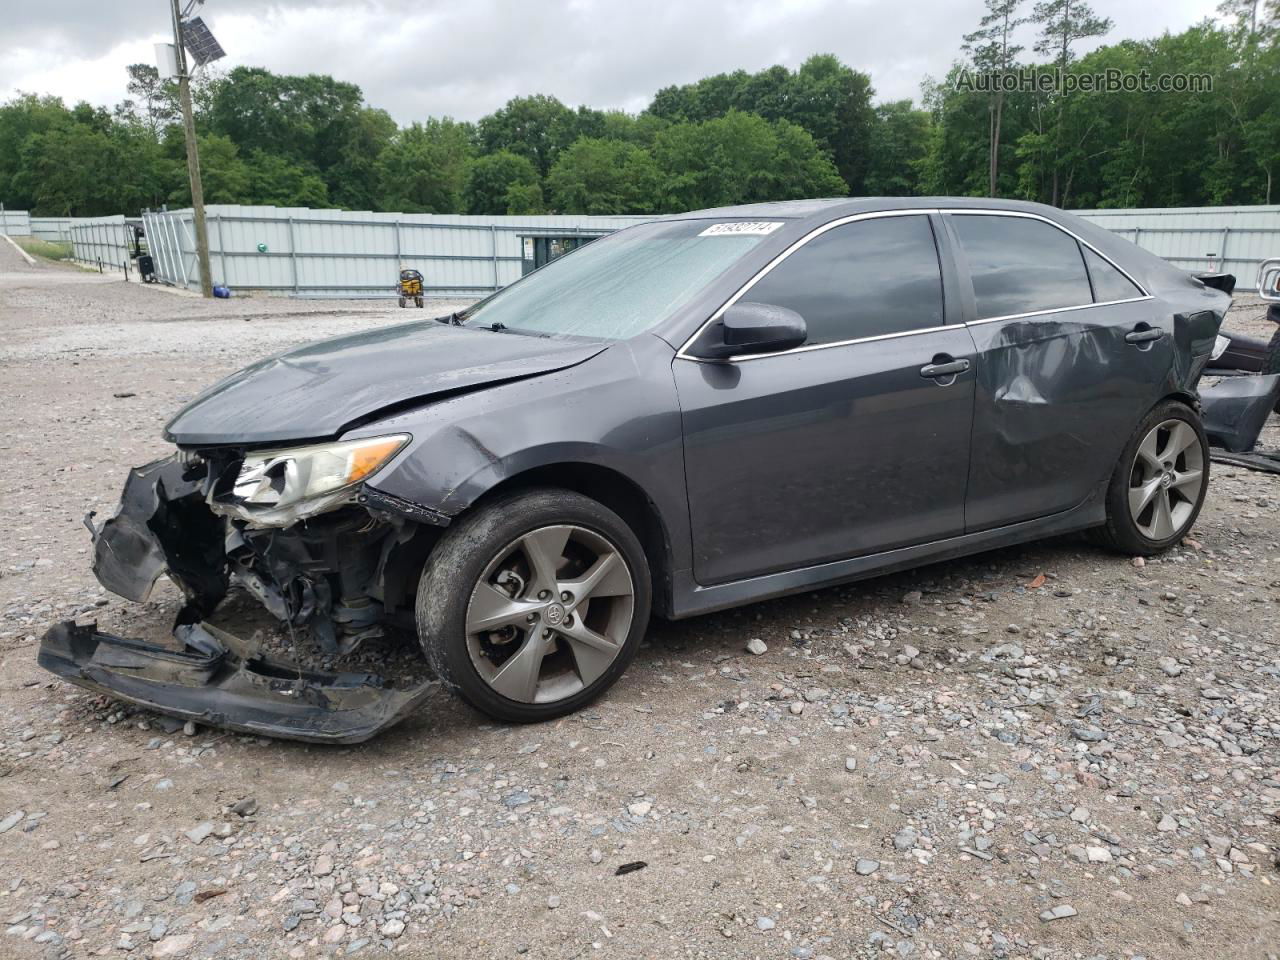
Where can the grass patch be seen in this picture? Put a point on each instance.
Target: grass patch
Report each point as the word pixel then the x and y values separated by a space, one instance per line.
pixel 45 249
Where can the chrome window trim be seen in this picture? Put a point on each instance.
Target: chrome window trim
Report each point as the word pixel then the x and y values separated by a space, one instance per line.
pixel 764 271
pixel 1041 313
pixel 1075 236
pixel 818 231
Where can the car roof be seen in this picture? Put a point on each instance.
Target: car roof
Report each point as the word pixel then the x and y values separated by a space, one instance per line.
pixel 831 208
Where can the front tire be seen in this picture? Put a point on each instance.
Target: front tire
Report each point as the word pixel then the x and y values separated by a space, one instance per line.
pixel 1159 485
pixel 534 605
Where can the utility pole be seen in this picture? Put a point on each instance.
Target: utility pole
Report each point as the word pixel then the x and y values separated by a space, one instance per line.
pixel 193 154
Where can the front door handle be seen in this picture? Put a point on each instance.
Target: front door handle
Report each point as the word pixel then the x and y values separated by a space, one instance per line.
pixel 1143 335
pixel 943 367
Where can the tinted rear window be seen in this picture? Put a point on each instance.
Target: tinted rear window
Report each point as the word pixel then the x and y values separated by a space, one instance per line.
pixel 1020 265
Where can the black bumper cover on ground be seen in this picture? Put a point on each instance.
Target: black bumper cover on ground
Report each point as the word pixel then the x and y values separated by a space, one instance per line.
pixel 209 682
pixel 1236 409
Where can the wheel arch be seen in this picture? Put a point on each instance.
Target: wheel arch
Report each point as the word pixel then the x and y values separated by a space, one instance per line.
pixel 1184 396
pixel 620 494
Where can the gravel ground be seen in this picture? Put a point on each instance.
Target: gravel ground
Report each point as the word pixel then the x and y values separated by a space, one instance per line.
pixel 1046 752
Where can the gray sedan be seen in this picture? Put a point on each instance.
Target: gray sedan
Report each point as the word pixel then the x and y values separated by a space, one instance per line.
pixel 694 413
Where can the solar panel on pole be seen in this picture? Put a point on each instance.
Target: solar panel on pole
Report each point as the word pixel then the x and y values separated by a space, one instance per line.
pixel 202 45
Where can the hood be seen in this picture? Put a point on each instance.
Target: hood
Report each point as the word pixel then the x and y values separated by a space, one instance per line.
pixel 317 391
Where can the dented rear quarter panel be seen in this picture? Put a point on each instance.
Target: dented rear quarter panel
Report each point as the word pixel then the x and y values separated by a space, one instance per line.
pixel 1058 394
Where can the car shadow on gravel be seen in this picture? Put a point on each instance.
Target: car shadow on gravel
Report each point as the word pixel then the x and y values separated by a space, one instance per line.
pixel 1008 569
pixel 801 620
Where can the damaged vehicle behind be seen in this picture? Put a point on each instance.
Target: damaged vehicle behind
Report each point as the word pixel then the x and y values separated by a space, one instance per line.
pixel 688 415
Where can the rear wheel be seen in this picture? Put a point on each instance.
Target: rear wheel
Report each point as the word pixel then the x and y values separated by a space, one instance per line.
pixel 1158 487
pixel 534 605
pixel 417 301
pixel 402 301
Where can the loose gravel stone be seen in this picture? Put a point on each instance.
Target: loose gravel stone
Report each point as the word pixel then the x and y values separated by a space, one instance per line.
pixel 1060 912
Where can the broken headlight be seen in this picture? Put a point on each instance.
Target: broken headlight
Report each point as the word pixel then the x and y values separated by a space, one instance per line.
pixel 280 487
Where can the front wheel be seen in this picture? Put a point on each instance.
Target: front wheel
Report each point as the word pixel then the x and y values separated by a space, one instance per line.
pixel 1158 487
pixel 533 605
pixel 402 302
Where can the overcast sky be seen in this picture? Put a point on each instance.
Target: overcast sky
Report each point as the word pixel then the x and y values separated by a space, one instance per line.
pixel 464 58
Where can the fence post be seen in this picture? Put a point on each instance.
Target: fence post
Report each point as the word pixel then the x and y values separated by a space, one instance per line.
pixel 1222 255
pixel 222 251
pixel 293 256
pixel 493 240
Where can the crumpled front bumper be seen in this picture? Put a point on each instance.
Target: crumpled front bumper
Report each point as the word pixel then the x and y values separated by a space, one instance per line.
pixel 164 526
pixel 210 682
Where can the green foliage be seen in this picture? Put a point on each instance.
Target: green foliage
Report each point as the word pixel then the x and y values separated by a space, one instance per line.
pixel 490 180
pixel 424 168
pixel 742 158
pixel 45 248
pixel 828 99
pixel 899 143
pixel 536 127
pixel 731 138
pixel 604 177
pixel 1123 149
pixel 525 200
pixel 153 102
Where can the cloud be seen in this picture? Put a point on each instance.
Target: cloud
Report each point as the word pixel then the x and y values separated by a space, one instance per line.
pixel 432 57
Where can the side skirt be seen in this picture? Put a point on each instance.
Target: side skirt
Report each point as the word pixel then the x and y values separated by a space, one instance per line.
pixel 689 599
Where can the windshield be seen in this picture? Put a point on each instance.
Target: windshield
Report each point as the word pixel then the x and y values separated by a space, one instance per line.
pixel 622 284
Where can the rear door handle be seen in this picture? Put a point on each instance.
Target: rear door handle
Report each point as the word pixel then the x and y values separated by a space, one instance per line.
pixel 948 368
pixel 1143 336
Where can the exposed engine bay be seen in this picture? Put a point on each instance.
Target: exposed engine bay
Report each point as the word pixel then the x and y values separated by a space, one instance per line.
pixel 343 567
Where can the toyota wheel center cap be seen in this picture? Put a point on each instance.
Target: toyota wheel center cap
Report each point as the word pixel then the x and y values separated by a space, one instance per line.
pixel 554 614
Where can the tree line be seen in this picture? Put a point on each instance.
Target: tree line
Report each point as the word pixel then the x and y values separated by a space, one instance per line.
pixel 731 138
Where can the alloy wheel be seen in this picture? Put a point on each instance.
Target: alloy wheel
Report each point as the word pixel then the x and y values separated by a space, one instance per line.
pixel 550 614
pixel 1166 479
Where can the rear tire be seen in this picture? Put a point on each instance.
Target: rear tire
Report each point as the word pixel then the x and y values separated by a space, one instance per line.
pixel 534 604
pixel 1158 487
pixel 402 302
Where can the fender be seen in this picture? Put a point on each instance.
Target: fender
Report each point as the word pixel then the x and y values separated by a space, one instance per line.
pixel 609 413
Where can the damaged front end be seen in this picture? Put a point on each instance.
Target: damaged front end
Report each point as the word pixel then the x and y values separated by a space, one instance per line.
pixel 296 529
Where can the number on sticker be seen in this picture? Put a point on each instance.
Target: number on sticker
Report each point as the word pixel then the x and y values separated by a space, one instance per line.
pixel 755 228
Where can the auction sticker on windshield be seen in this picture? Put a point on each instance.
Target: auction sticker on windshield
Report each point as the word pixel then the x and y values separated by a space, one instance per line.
pixel 751 228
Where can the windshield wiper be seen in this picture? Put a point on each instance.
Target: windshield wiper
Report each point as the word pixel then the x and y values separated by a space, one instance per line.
pixel 498 326
pixel 454 319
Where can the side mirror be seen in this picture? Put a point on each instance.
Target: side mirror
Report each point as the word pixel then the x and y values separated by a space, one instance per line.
pixel 749 328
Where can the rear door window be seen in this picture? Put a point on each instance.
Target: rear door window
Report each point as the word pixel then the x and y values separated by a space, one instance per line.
pixel 1108 283
pixel 1020 265
pixel 862 279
